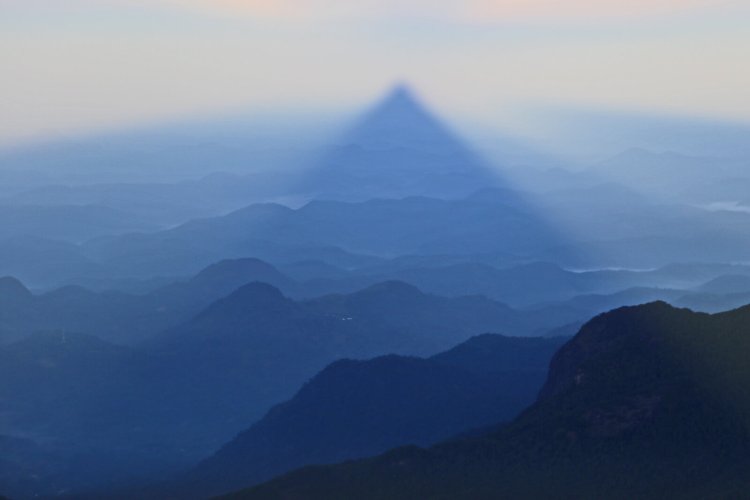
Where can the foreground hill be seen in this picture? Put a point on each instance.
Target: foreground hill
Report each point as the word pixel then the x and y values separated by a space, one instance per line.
pixel 645 402
pixel 354 409
pixel 226 366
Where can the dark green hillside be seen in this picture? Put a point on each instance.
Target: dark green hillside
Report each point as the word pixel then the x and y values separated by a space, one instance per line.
pixel 645 402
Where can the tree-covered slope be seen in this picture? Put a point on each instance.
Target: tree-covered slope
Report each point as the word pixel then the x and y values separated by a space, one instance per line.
pixel 645 402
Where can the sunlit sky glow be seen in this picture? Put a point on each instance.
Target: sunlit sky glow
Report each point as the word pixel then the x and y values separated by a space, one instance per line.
pixel 84 65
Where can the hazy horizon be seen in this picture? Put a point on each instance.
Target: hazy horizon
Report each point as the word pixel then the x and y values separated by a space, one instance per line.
pixel 125 64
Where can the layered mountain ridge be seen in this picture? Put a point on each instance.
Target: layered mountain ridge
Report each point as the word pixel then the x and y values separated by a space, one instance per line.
pixel 645 402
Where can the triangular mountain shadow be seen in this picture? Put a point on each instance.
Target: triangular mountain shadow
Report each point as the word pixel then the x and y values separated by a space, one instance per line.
pixel 400 149
pixel 396 149
pixel 401 120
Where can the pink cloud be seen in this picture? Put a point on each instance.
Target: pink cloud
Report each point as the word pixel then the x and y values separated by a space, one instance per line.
pixel 475 10
pixel 460 10
pixel 551 9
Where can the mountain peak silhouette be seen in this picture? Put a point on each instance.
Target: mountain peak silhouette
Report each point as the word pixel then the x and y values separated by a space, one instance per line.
pixel 401 93
pixel 401 120
pixel 399 148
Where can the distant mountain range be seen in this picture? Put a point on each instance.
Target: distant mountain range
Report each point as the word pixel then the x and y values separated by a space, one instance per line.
pixel 645 402
pixel 596 227
pixel 382 228
pixel 396 148
pixel 673 175
pixel 121 317
pixel 358 234
pixel 542 296
pixel 134 318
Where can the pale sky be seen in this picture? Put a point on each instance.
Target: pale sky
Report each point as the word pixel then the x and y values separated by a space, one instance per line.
pixel 81 66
